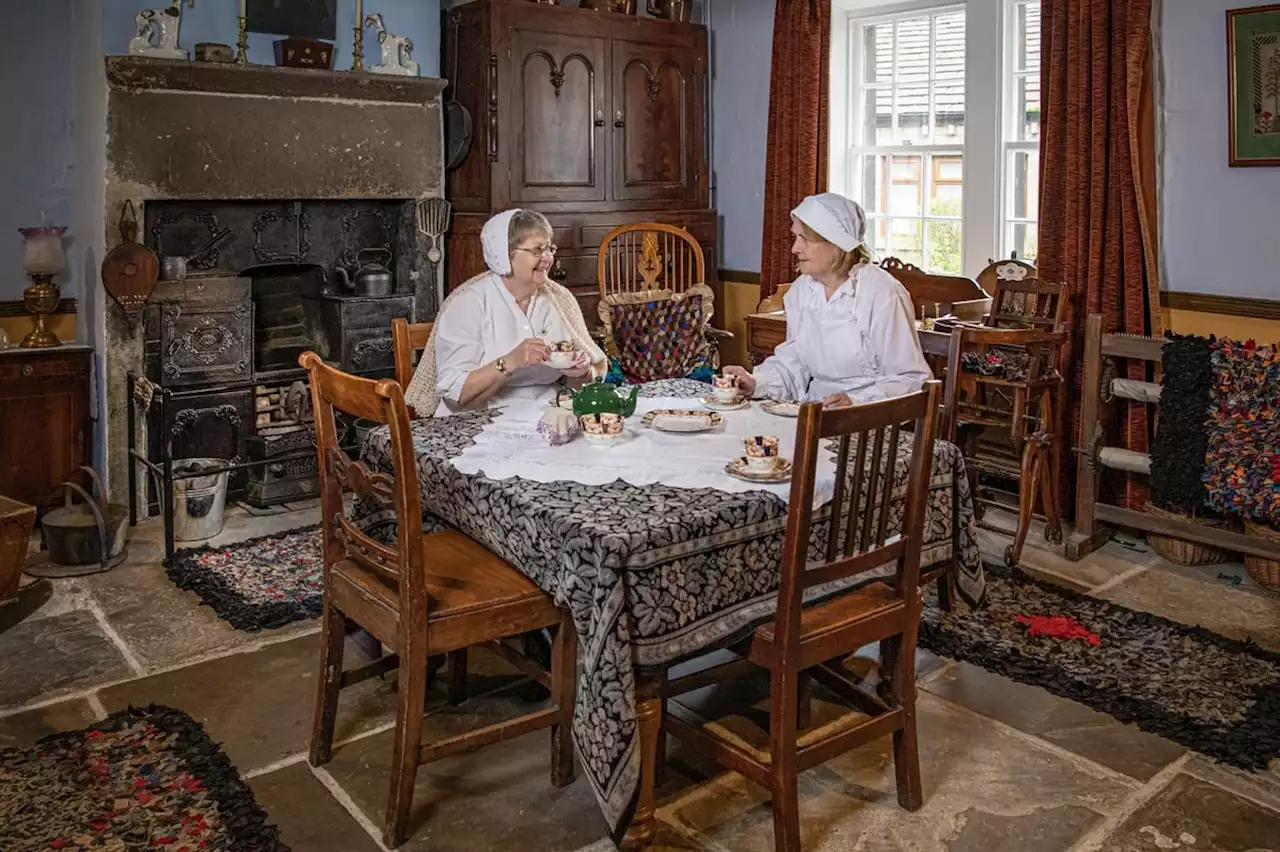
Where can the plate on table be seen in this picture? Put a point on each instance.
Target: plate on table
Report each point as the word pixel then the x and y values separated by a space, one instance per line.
pixel 781 471
pixel 681 420
pixel 716 405
pixel 782 409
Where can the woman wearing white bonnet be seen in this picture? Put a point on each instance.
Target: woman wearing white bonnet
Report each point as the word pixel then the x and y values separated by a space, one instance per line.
pixel 491 335
pixel 851 335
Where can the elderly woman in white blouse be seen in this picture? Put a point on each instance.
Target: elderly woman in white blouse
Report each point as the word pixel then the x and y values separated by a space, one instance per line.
pixel 490 338
pixel 851 335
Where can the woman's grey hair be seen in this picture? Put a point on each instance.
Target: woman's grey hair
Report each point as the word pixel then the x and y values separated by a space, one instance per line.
pixel 525 224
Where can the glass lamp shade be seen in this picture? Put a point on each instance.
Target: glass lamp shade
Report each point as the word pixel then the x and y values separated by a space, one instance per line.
pixel 42 252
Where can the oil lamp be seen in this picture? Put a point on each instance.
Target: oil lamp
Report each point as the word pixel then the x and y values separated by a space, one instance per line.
pixel 42 258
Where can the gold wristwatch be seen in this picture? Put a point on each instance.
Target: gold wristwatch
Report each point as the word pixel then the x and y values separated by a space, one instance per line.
pixel 501 366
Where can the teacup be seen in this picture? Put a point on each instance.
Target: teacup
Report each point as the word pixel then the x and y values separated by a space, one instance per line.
pixel 562 354
pixel 724 388
pixel 762 452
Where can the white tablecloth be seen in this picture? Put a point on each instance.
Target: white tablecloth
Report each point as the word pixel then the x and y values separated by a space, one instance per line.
pixel 511 446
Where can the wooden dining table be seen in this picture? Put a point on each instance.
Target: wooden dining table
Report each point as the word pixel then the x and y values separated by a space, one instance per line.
pixel 653 575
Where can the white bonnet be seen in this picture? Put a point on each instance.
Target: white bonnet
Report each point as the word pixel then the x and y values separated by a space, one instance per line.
pixel 495 240
pixel 835 218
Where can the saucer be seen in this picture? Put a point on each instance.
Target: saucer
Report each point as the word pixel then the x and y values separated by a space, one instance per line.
pixel 681 420
pixel 560 360
pixel 780 473
pixel 716 405
pixel 781 409
pixel 606 441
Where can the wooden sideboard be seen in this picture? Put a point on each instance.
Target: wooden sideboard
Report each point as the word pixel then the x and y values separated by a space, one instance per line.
pixel 766 331
pixel 45 431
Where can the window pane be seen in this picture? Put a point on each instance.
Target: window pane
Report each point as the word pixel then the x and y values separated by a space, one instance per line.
pixel 1026 109
pixel 908 241
pixel 877 51
pixel 1027 37
pixel 906 185
pixel 877 117
pixel 878 236
pixel 913 63
pixel 1022 185
pixel 946 187
pixel 944 247
pixel 1022 241
pixel 875 198
pixel 948 79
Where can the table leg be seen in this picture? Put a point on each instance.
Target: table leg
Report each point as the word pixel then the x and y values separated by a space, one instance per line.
pixel 649 725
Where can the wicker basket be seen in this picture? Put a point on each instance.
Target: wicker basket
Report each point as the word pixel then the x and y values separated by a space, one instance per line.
pixel 1265 571
pixel 1183 552
pixel 16 521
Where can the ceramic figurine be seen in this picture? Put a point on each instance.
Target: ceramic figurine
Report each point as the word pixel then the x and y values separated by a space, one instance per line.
pixel 157 32
pixel 397 51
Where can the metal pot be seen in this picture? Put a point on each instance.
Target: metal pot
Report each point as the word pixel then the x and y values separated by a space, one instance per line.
pixel 372 279
pixel 671 10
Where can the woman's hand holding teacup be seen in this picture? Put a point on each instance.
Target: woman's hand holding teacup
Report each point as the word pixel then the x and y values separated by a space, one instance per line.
pixel 527 353
pixel 745 381
pixel 581 366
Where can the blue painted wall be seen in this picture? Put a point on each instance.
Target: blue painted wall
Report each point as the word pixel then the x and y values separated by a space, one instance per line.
pixel 38 171
pixel 216 21
pixel 35 98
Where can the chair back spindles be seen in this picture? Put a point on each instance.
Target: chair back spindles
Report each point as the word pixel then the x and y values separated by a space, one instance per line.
pixel 649 256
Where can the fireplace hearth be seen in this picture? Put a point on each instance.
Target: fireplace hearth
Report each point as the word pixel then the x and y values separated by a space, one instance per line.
pixel 305 168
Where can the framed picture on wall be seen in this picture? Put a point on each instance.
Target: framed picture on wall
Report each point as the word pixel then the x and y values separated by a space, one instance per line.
pixel 1253 60
pixel 299 18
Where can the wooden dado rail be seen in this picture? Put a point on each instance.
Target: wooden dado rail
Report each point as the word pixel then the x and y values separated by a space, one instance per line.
pixel 1100 387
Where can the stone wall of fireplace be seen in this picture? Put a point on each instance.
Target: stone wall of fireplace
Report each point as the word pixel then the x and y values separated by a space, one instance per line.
pixel 305 168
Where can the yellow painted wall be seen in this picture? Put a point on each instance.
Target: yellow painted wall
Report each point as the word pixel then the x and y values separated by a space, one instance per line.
pixel 1264 331
pixel 63 325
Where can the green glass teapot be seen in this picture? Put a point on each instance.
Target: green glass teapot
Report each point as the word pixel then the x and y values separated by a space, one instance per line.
pixel 600 398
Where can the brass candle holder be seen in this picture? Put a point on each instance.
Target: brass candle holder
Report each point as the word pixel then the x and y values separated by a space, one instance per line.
pixel 242 46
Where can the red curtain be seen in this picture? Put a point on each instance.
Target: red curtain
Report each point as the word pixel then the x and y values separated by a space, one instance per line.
pixel 1097 187
pixel 796 159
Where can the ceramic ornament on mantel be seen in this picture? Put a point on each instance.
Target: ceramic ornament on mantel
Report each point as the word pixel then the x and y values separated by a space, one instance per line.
pixel 397 51
pixel 156 32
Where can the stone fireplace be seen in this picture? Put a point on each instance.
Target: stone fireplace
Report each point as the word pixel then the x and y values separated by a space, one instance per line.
pixel 302 170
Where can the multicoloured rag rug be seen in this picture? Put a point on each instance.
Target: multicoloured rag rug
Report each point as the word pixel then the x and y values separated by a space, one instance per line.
pixel 1218 696
pixel 1242 463
pixel 146 778
pixel 257 584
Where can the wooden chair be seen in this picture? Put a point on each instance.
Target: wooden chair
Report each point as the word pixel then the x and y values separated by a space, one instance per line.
pixel 1009 269
pixel 1028 303
pixel 809 641
pixel 648 261
pixel 1023 407
pixel 441 592
pixel 406 339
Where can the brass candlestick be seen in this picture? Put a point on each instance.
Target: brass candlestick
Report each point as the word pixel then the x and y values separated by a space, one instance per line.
pixel 357 61
pixel 242 46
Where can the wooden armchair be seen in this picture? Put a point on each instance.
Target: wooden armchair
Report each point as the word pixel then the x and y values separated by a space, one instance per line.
pixel 406 339
pixel 651 262
pixel 952 294
pixel 441 592
pixel 809 641
pixel 1020 399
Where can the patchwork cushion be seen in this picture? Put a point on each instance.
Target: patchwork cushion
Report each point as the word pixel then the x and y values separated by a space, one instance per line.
pixel 658 335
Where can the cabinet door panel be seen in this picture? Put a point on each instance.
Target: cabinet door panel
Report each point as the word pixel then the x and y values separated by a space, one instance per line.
pixel 42 438
pixel 655 140
pixel 557 95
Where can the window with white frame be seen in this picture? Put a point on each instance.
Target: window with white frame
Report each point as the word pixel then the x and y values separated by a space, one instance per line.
pixel 936 128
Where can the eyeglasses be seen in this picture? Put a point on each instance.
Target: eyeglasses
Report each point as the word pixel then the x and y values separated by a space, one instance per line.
pixel 538 251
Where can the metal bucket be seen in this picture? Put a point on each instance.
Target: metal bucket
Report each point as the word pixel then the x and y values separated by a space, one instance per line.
pixel 81 538
pixel 199 503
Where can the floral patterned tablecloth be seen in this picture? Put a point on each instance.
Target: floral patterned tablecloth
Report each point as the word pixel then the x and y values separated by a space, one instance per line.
pixel 652 575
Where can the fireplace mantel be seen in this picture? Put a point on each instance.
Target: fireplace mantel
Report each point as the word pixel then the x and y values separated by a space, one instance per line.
pixel 180 75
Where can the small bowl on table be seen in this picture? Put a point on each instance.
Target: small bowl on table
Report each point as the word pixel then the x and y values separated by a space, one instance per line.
pixel 604 429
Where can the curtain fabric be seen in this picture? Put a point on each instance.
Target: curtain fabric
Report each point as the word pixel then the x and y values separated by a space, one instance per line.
pixel 1097 223
pixel 796 157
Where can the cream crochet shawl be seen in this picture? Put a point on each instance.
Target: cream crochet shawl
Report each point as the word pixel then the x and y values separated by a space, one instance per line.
pixel 423 393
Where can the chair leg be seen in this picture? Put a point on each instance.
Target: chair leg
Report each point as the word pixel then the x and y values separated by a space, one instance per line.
pixel 804 702
pixel 456 686
pixel 564 689
pixel 333 634
pixel 946 597
pixel 408 742
pixel 898 654
pixel 1028 490
pixel 1049 496
pixel 783 696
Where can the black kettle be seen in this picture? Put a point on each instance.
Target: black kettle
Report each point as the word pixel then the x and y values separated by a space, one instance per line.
pixel 371 279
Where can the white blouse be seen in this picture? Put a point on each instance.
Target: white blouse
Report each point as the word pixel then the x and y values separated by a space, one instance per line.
pixel 481 324
pixel 861 342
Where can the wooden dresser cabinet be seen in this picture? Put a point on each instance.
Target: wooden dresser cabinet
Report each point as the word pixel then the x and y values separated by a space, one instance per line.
pixel 45 431
pixel 594 119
